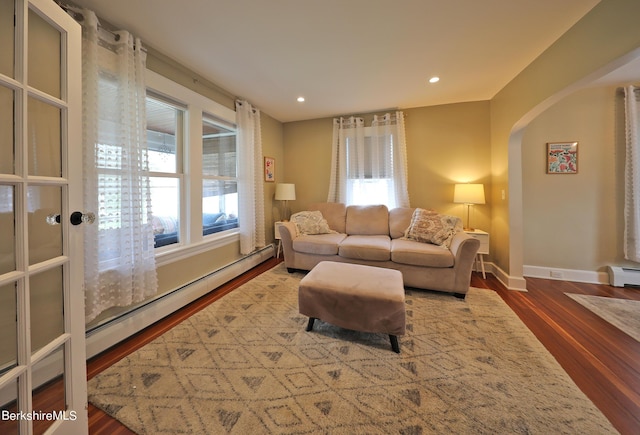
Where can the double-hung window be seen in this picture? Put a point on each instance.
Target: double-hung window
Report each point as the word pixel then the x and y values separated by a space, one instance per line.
pixel 192 167
pixel 369 164
pixel 165 141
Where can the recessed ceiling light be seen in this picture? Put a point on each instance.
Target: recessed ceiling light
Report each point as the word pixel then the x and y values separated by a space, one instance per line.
pixel 300 99
pixel 434 79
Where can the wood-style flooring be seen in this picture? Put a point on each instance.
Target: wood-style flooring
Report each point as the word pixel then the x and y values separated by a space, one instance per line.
pixel 602 360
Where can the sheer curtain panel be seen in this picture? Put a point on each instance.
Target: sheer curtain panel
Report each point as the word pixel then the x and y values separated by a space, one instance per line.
pixel 250 187
pixel 369 164
pixel 119 261
pixel 632 175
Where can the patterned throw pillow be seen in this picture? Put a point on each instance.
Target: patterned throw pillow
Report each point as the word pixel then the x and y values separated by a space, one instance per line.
pixel 311 222
pixel 429 226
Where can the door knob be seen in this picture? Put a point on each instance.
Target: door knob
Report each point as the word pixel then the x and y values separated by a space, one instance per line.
pixel 78 217
pixel 53 219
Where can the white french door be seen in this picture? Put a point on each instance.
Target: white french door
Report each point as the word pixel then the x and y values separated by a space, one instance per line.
pixel 42 346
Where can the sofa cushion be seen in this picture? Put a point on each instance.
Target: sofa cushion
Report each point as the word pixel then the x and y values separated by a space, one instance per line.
pixel 375 248
pixel 399 221
pixel 428 226
pixel 319 244
pixel 367 220
pixel 334 212
pixel 311 222
pixel 404 251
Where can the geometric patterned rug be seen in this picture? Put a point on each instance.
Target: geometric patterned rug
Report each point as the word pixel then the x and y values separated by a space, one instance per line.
pixel 621 313
pixel 246 365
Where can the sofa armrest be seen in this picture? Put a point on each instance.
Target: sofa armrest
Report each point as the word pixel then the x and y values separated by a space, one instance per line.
pixel 464 249
pixel 287 234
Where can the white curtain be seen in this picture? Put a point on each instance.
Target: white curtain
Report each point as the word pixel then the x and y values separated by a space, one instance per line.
pixel 632 175
pixel 250 184
pixel 348 134
pixel 119 261
pixel 369 164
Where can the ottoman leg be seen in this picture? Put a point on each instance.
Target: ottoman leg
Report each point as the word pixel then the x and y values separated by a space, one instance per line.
pixel 394 343
pixel 310 324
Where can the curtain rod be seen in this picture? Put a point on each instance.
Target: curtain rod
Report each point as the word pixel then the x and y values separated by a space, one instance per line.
pixel 78 16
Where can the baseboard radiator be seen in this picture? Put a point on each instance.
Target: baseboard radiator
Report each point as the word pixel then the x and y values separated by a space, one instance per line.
pixel 105 336
pixel 624 276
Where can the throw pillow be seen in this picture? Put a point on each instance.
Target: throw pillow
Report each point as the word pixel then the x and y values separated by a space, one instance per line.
pixel 311 222
pixel 429 226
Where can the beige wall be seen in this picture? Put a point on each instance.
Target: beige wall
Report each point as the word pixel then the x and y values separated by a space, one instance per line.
pixel 445 144
pixel 588 50
pixel 575 221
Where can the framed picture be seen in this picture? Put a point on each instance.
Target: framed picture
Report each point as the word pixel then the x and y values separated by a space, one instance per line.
pixel 562 158
pixel 269 169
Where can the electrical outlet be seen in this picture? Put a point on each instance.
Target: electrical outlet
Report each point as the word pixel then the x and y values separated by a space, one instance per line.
pixel 556 274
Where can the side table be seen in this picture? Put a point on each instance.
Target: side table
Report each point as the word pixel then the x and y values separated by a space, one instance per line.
pixel 276 227
pixel 483 236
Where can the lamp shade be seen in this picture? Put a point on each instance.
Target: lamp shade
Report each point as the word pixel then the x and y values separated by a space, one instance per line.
pixel 285 192
pixel 468 194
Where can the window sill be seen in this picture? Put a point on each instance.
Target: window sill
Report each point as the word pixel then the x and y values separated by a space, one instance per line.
pixel 181 252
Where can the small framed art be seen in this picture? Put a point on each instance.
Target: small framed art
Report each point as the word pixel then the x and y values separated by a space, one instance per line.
pixel 562 158
pixel 269 169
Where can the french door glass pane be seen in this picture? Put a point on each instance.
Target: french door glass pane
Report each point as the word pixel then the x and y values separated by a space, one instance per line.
pixel 6 38
pixel 55 394
pixel 6 127
pixel 47 301
pixel 8 326
pixel 7 230
pixel 44 55
pixel 8 405
pixel 45 240
pixel 44 139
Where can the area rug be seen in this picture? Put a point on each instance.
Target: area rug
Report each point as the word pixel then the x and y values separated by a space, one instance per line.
pixel 624 314
pixel 246 365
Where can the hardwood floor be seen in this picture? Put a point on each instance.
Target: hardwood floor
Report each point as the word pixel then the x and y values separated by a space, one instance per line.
pixel 603 361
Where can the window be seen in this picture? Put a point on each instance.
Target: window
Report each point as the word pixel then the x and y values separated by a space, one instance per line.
pixel 192 155
pixel 370 170
pixel 369 164
pixel 165 126
pixel 219 172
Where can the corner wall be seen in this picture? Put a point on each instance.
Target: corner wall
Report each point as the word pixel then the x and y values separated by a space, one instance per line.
pixel 580 215
pixel 587 51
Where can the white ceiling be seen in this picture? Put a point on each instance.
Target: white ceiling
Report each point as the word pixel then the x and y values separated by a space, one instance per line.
pixel 348 56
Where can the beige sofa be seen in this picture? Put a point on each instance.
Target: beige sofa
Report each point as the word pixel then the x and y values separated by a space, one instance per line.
pixel 374 236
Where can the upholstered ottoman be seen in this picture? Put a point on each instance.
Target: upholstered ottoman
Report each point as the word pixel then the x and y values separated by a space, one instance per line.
pixel 357 297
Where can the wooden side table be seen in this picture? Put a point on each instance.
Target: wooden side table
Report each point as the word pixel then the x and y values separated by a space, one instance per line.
pixel 483 236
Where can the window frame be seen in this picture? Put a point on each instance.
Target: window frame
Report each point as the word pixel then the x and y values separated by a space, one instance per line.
pixel 197 106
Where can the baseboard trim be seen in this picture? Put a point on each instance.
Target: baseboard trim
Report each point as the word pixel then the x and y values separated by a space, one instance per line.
pixel 119 329
pixel 556 273
pixel 511 282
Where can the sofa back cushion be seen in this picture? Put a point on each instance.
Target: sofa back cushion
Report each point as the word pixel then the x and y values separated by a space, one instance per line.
pixel 399 221
pixel 334 212
pixel 367 220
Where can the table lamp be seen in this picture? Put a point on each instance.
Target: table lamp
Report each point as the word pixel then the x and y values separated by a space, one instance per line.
pixel 285 192
pixel 468 194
